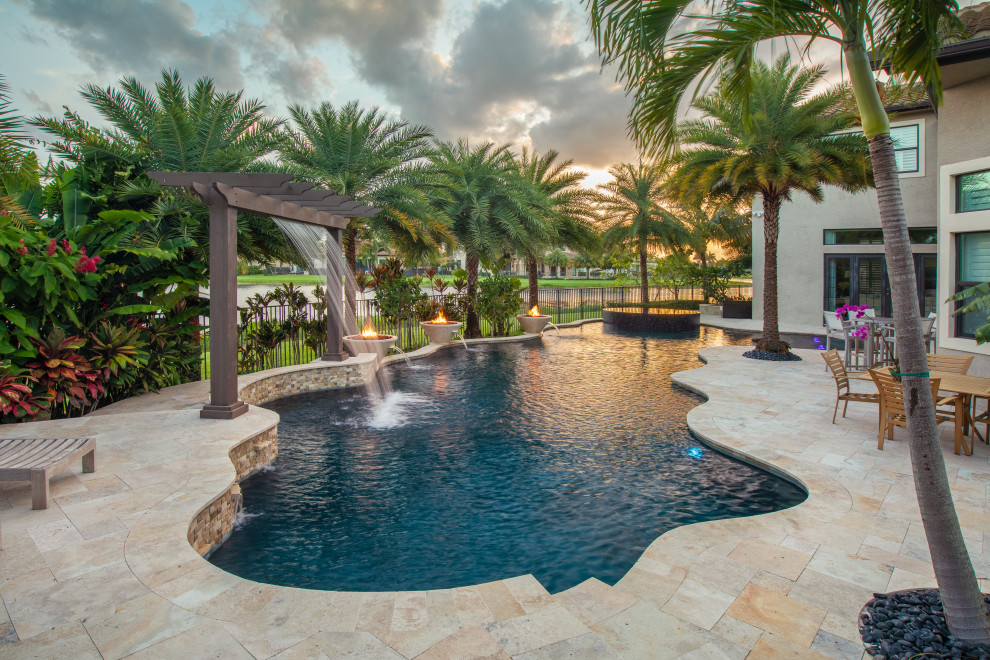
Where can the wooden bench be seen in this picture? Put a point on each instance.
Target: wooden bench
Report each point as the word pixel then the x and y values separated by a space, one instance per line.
pixel 36 459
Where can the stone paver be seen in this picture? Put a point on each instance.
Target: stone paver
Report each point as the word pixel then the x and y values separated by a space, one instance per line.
pixel 107 570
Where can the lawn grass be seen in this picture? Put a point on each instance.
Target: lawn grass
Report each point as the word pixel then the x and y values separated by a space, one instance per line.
pixel 274 280
pixel 554 283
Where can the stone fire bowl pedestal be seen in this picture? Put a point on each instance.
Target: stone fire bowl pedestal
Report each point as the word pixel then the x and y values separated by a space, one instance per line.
pixel 533 324
pixel 379 346
pixel 440 333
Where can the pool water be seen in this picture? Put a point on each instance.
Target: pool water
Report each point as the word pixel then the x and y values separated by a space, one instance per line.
pixel 564 458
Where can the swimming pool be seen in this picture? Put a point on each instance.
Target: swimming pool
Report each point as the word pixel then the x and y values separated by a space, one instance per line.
pixel 564 458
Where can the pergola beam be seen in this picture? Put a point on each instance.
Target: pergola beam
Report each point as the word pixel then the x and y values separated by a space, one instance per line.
pixel 266 205
pixel 278 196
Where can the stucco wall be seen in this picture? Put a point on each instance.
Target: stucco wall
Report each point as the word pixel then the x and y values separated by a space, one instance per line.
pixel 962 133
pixel 801 252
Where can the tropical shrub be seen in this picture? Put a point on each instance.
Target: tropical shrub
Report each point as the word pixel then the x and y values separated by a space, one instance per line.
pixel 65 375
pixel 18 400
pixel 499 301
pixel 396 296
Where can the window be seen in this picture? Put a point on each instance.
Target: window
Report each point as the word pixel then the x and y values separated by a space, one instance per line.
pixel 972 267
pixel 917 235
pixel 906 152
pixel 907 147
pixel 973 192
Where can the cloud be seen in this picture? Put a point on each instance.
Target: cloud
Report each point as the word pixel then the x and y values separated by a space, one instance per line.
pixel 141 37
pixel 38 102
pixel 519 71
pixel 362 24
pixel 32 38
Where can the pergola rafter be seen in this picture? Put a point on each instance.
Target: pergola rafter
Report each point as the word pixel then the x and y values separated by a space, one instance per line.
pixel 278 196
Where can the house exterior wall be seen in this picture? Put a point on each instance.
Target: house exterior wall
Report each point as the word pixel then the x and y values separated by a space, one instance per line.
pixel 962 147
pixel 801 250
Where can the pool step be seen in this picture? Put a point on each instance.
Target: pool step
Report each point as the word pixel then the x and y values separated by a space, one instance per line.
pixel 593 601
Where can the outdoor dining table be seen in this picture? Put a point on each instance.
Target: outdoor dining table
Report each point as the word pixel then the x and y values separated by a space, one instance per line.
pixel 968 387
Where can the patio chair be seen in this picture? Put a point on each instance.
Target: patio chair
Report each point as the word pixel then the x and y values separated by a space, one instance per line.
pixel 927 330
pixel 930 340
pixel 843 393
pixel 836 328
pixel 957 364
pixel 892 408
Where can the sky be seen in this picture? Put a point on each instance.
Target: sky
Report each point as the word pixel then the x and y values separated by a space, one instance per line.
pixel 519 71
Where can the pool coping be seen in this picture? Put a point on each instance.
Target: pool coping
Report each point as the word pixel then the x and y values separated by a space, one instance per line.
pixel 109 569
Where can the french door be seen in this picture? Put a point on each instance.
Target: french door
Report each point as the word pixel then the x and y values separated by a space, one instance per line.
pixel 861 279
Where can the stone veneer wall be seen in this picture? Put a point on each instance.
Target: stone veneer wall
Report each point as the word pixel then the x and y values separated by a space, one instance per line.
pixel 255 453
pixel 288 383
pixel 213 524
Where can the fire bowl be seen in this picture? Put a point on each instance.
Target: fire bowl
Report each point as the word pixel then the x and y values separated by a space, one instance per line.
pixel 440 333
pixel 533 324
pixel 380 345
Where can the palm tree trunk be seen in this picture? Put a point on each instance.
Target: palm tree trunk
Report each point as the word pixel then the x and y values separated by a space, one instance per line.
pixel 965 611
pixel 534 283
pixel 472 327
pixel 770 341
pixel 644 282
pixel 703 261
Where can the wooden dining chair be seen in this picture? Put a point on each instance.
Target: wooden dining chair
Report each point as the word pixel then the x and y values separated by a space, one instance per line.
pixel 957 364
pixel 841 377
pixel 892 408
pixel 927 332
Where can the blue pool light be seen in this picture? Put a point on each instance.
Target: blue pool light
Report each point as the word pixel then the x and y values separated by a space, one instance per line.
pixel 695 452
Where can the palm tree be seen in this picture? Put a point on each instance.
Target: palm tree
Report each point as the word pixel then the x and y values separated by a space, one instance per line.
pixel 175 129
pixel 489 208
pixel 659 61
pixel 18 164
pixel 635 214
pixel 558 260
pixel 569 212
pixel 713 223
pixel 784 142
pixel 364 154
pixel 587 260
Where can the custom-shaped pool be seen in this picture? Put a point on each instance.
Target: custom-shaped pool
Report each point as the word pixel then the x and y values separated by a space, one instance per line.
pixel 564 458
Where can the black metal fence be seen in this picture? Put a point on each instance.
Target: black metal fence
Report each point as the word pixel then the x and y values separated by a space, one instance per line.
pixel 563 306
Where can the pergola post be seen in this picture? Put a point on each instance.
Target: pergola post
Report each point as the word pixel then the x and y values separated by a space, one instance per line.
pixel 335 302
pixel 224 403
pixel 277 196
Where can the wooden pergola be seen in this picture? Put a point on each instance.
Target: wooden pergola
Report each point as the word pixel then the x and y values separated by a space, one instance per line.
pixel 265 194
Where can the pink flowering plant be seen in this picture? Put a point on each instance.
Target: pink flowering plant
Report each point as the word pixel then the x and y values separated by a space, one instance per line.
pixel 862 332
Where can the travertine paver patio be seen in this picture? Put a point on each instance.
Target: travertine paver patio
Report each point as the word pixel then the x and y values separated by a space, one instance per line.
pixel 107 570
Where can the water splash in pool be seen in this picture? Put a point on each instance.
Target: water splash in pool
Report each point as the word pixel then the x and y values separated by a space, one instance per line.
pixel 396 409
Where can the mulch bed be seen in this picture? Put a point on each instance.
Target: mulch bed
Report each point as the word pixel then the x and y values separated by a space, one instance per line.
pixel 757 354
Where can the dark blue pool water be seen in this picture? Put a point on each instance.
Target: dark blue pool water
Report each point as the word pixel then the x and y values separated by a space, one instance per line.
pixel 564 458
